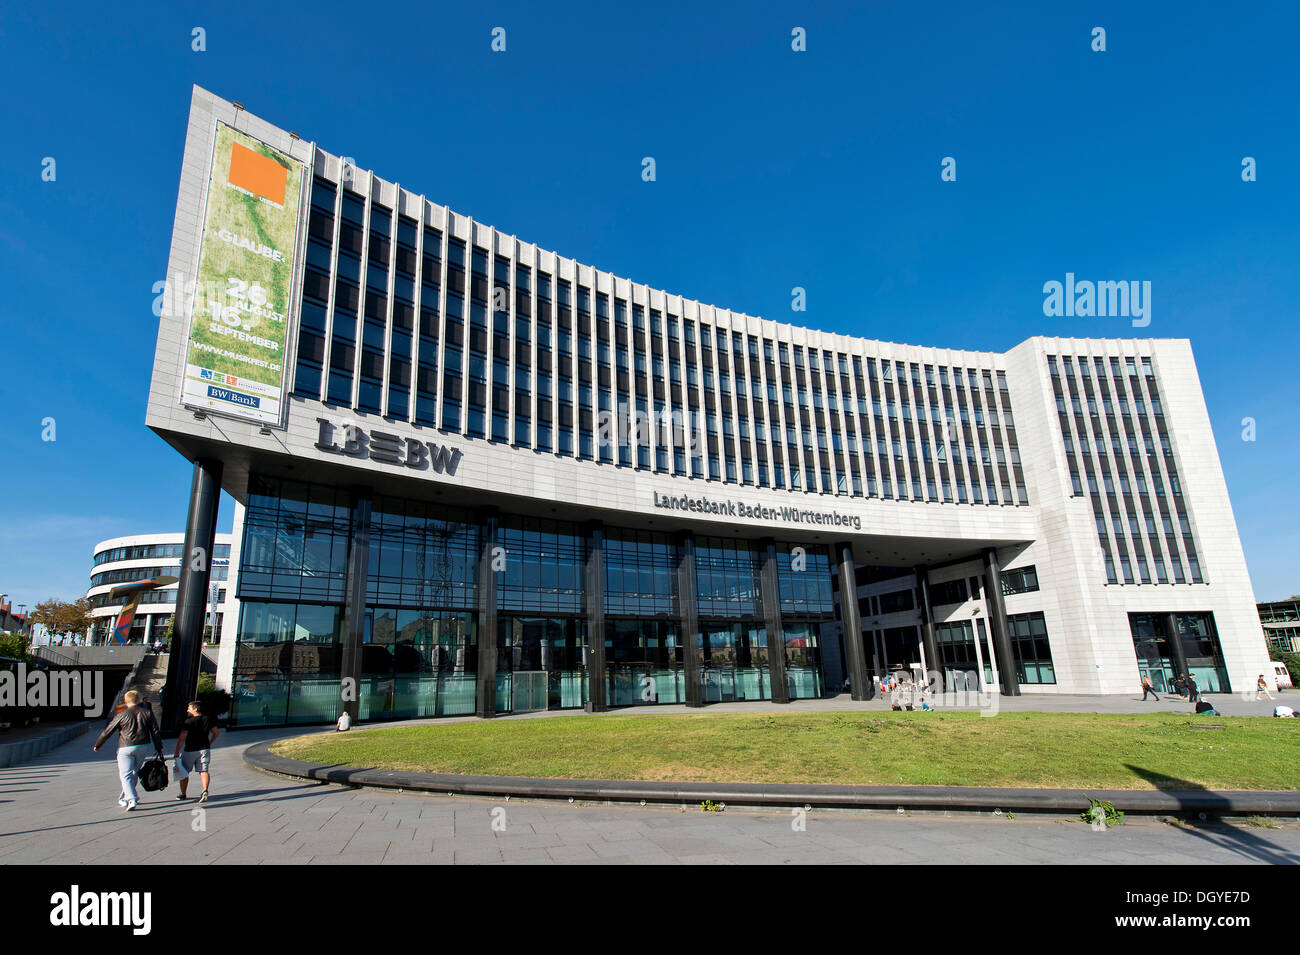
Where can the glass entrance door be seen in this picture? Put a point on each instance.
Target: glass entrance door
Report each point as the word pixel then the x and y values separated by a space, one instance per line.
pixel 1151 644
pixel 1201 648
pixel 735 662
pixel 550 649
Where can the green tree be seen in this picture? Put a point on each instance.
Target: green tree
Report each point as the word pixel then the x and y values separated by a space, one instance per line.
pixel 63 618
pixel 77 617
pixel 48 614
pixel 16 646
pixel 1292 661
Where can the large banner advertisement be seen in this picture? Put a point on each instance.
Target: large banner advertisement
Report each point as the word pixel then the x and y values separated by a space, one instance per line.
pixel 234 363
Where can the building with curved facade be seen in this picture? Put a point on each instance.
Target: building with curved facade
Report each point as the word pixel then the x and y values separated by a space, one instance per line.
pixel 121 560
pixel 476 476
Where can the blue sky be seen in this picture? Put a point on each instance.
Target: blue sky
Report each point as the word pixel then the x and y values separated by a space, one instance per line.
pixel 775 169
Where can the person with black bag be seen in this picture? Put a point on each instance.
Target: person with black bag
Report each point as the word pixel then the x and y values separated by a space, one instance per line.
pixel 138 731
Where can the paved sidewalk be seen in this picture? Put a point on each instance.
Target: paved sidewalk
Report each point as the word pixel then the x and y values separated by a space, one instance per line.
pixel 61 808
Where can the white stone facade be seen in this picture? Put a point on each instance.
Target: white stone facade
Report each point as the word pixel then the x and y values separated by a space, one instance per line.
pixel 1037 519
pixel 155 615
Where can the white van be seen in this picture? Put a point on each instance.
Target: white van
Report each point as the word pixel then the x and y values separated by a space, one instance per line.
pixel 1281 677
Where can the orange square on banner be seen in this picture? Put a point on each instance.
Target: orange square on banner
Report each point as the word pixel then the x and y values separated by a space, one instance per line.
pixel 260 175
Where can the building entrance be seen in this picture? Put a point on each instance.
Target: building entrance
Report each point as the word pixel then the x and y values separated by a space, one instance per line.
pixel 735 661
pixel 546 661
pixel 1154 636
pixel 902 648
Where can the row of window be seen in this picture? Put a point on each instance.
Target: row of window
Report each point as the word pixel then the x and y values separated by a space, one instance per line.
pixel 296 539
pixel 1119 453
pixel 1285 611
pixel 504 354
pixel 157 625
pixel 100 601
pixel 424 663
pixel 152 551
pixel 1021 580
pixel 131 574
pixel 1030 648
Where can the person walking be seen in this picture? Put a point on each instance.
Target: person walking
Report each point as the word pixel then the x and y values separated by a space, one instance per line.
pixel 194 748
pixel 138 731
pixel 1193 691
pixel 1261 686
pixel 1148 688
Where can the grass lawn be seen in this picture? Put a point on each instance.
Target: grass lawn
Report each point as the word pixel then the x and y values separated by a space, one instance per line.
pixel 1055 750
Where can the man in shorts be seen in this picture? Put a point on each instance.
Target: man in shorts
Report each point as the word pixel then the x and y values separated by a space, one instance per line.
pixel 194 748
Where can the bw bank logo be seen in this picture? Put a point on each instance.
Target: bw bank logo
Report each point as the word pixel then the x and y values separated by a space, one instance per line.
pixel 76 908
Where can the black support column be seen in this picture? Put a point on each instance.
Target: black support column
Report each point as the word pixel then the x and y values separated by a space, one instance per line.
pixel 354 604
pixel 861 686
pixel 186 650
pixel 689 612
pixel 595 581
pixel 928 639
pixel 485 704
pixel 770 587
pixel 998 624
pixel 1179 658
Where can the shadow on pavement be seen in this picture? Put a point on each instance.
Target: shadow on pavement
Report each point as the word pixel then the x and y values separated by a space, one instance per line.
pixel 1243 842
pixel 1229 837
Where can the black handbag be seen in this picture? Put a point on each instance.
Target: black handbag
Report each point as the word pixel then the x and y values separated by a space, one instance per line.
pixel 153 774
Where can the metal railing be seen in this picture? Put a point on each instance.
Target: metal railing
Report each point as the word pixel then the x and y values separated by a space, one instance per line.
pixel 53 656
pixel 118 705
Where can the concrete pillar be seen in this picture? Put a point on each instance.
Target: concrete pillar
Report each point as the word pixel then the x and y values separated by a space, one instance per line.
pixel 192 594
pixel 928 639
pixel 485 704
pixel 688 610
pixel 1176 653
pixel 770 591
pixel 595 581
pixel 999 632
pixel 861 686
pixel 354 603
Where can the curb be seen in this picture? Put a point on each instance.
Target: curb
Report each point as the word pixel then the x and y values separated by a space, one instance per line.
pixel 11 754
pixel 1227 802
